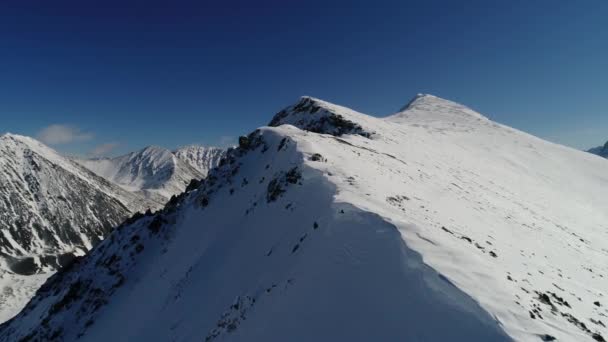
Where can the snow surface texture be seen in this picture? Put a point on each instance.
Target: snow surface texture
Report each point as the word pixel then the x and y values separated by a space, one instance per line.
pixel 434 224
pixel 51 209
pixel 601 151
pixel 154 172
pixel 201 158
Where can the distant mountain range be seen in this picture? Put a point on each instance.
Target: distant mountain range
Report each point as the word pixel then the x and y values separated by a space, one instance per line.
pixel 432 224
pixel 155 172
pixel 54 208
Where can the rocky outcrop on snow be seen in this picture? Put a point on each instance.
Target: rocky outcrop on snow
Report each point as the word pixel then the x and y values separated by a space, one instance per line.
pixel 601 151
pixel 434 224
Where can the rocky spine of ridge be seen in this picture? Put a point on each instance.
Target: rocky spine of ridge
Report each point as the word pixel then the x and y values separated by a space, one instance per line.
pixel 79 291
pixel 404 235
pixel 319 117
pixel 601 151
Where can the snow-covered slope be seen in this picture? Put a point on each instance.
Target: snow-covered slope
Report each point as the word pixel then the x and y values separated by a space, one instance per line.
pixel 154 172
pixel 202 158
pixel 51 209
pixel 601 151
pixel 434 224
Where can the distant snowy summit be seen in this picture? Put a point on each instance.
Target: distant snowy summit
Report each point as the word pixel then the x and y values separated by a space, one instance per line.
pixel 202 158
pixel 425 107
pixel 156 172
pixel 601 151
pixel 433 224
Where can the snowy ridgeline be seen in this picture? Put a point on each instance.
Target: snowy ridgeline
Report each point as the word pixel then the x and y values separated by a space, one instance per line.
pixel 434 224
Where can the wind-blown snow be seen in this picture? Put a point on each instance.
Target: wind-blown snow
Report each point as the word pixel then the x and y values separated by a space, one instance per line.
pixel 432 224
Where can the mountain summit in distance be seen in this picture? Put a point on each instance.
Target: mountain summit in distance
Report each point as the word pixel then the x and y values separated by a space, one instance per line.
pixel 202 158
pixel 155 172
pixel 433 224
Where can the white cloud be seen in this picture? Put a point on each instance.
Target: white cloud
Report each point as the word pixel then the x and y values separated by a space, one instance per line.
pixel 227 141
pixel 63 134
pixel 103 149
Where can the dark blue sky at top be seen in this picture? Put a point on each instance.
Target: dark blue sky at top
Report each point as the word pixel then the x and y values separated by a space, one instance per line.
pixel 170 73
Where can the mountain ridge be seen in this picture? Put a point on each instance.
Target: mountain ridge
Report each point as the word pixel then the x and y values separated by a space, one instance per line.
pixel 202 158
pixel 361 227
pixel 601 151
pixel 155 172
pixel 51 210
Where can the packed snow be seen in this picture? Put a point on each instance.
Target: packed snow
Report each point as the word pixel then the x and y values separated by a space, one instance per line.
pixel 433 224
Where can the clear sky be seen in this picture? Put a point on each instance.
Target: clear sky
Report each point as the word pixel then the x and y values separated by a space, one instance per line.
pixel 107 77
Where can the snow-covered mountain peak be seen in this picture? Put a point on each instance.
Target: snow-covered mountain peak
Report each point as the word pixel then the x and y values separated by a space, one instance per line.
pixel 430 108
pixel 19 146
pixel 8 135
pixel 424 101
pixel 31 143
pixel 154 154
pixel 421 232
pixel 319 116
pixel 202 158
pixel 153 171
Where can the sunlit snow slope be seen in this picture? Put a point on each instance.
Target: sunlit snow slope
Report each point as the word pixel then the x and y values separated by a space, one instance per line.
pixel 51 209
pixel 434 224
pixel 199 157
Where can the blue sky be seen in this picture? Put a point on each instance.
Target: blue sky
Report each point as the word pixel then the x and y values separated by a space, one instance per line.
pixel 113 76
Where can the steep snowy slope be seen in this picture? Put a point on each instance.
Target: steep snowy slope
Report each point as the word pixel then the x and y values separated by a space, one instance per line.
pixel 434 224
pixel 601 151
pixel 201 158
pixel 50 210
pixel 154 172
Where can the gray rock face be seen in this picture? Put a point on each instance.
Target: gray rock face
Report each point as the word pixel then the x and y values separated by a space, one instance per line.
pixel 601 151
